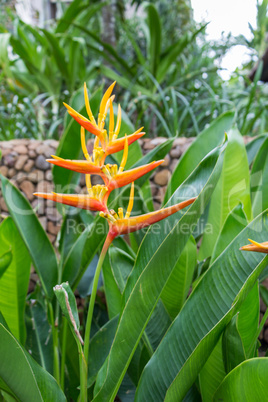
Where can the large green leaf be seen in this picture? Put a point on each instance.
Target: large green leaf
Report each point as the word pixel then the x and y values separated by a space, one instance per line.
pixel 234 223
pixel 5 260
pixel 253 147
pixel 232 189
pixel 196 330
pixel 247 382
pixel 178 285
pixel 259 180
pixel 15 281
pixel 39 336
pixel 35 238
pixel 23 376
pixel 205 142
pixel 154 264
pixel 154 43
pixel 212 373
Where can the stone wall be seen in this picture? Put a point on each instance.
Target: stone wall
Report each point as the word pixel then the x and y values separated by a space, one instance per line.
pixel 24 163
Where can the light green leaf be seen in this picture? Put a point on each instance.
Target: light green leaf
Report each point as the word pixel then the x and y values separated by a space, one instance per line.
pixel 234 223
pixel 196 330
pixel 39 336
pixel 155 28
pixel 35 238
pixel 15 281
pixel 231 189
pixel 153 266
pixel 5 260
pixel 204 143
pixel 24 377
pixel 178 285
pixel 232 346
pixel 259 180
pixel 212 373
pixel 247 382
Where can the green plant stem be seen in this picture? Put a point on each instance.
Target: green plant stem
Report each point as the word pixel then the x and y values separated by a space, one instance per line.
pixel 56 361
pixel 63 352
pixel 83 377
pixel 83 368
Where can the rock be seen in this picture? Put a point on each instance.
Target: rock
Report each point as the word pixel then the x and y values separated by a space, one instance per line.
pixel 41 163
pixel 179 141
pixel 6 145
pixel 44 187
pixel 148 146
pixel 20 141
pixel 20 177
pixel 21 161
pixel 157 205
pixel 173 164
pixel 21 149
pixel 28 188
pixel 52 143
pixel 53 215
pixel 53 229
pixel 160 194
pixel 11 173
pixel 176 152
pixel 36 176
pixel 38 205
pixel 10 159
pixel 31 153
pixel 161 178
pixel 3 170
pixel 43 221
pixel 51 237
pixel 158 140
pixel 28 165
pixel 48 175
pixel 166 161
pixel 3 206
pixel 34 144
pixel 45 150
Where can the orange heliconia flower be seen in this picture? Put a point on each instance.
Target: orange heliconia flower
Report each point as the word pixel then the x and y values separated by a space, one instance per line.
pixel 113 176
pixel 254 246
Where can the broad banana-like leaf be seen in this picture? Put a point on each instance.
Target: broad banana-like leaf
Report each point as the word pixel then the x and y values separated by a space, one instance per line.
pixel 259 180
pixel 204 143
pixel 40 249
pixel 232 189
pixel 22 375
pixel 15 281
pixel 194 333
pixel 247 382
pixel 178 285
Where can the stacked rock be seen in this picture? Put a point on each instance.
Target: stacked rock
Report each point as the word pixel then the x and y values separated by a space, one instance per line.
pixel 24 163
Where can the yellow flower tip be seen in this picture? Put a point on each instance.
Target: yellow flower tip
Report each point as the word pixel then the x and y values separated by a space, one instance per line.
pixel 105 98
pixel 125 155
pixel 255 243
pixel 131 201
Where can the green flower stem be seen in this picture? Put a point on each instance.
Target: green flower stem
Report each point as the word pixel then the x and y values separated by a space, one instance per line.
pixel 83 374
pixel 63 352
pixel 93 294
pixel 56 360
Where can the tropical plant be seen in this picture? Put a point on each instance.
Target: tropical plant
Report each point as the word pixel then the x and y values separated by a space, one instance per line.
pixel 145 337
